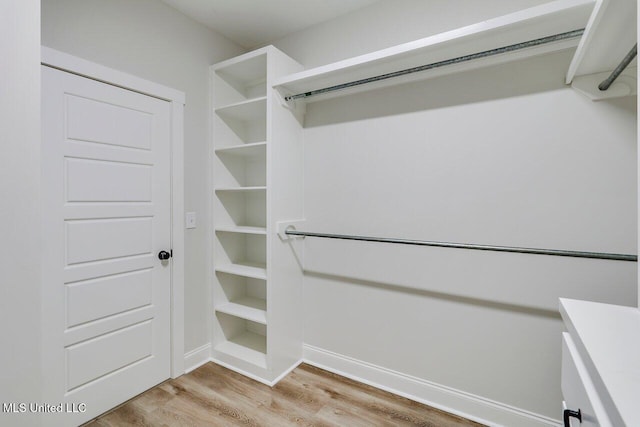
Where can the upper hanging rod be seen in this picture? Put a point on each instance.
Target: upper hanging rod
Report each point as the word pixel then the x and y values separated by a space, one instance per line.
pixel 478 55
pixel 555 252
pixel 619 69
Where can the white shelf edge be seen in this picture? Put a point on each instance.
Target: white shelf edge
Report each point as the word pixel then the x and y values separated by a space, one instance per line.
pixel 238 149
pixel 241 104
pixel 243 308
pixel 240 189
pixel 242 58
pixel 245 270
pixel 242 229
pixel 594 19
pixel 331 74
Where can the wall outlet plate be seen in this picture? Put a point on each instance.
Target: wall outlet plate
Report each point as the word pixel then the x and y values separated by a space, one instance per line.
pixel 190 220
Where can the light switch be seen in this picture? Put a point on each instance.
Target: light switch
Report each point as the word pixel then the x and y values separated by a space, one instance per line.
pixel 190 220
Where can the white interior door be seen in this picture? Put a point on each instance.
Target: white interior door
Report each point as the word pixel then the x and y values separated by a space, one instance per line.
pixel 106 216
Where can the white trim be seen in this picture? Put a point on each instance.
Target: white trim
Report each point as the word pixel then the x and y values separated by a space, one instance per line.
pixel 241 372
pixel 82 67
pixel 197 357
pixel 177 238
pixel 454 401
pixel 286 372
pixel 255 377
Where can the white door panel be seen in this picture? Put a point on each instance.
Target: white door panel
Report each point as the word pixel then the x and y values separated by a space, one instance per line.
pixel 106 295
pixel 89 240
pixel 87 359
pixel 100 181
pixel 124 126
pixel 95 299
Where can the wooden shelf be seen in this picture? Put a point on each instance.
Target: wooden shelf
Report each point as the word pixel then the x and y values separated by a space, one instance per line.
pixel 242 229
pixel 245 269
pixel 548 19
pixel 248 346
pixel 251 110
pixel 255 149
pixel 248 308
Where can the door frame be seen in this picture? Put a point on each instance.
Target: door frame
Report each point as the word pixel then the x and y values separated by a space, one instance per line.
pixel 72 64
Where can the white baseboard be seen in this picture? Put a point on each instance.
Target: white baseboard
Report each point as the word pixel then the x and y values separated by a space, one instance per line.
pixel 197 357
pixel 454 401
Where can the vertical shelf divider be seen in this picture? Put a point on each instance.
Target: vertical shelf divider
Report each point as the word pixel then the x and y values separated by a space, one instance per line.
pixel 257 278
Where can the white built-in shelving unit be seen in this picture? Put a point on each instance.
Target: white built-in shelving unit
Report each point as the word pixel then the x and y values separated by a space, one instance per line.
pixel 256 280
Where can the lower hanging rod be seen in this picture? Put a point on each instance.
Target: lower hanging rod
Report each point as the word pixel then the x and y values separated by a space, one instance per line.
pixel 554 252
pixel 465 58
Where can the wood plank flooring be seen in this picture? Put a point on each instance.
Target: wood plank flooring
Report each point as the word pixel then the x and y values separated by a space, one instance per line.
pixel 215 396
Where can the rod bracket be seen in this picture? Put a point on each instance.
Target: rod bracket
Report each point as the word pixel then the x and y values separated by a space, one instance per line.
pixel 626 84
pixel 283 226
pixel 289 104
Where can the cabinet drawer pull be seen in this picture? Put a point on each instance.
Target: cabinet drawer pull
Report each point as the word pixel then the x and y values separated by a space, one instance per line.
pixel 568 413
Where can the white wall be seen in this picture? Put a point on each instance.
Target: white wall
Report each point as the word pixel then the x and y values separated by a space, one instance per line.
pixel 20 264
pixel 507 156
pixel 151 40
pixel 388 23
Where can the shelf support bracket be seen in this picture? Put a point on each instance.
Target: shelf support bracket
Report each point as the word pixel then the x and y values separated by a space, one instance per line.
pixel 290 104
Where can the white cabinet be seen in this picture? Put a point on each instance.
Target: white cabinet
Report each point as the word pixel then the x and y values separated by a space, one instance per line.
pixel 257 175
pixel 578 390
pixel 600 364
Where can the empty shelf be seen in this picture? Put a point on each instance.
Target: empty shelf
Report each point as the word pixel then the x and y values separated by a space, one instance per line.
pixel 249 308
pixel 245 269
pixel 248 346
pixel 245 70
pixel 255 149
pixel 251 110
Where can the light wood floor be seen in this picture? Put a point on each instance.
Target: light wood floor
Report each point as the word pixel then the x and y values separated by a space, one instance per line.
pixel 214 396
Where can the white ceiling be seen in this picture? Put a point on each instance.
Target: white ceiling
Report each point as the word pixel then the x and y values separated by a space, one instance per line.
pixel 252 23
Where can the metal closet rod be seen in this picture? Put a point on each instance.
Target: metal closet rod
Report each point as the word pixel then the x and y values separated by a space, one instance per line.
pixel 619 69
pixel 554 252
pixel 465 58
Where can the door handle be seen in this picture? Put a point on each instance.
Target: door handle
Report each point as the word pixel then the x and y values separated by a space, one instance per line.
pixel 164 255
pixel 568 413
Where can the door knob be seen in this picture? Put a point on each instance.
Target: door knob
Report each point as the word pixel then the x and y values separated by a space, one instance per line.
pixel 164 255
